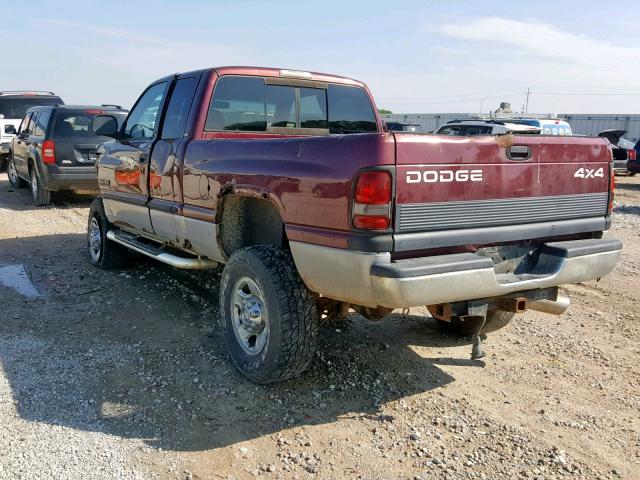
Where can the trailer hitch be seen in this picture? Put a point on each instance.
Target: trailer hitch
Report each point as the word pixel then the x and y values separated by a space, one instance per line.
pixel 478 310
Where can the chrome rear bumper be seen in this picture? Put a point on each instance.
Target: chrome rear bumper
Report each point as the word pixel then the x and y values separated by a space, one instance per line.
pixel 372 279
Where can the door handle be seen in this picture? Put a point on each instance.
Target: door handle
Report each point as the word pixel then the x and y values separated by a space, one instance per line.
pixel 142 158
pixel 518 152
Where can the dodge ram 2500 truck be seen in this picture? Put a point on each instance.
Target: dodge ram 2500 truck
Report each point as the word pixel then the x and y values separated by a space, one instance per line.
pixel 290 179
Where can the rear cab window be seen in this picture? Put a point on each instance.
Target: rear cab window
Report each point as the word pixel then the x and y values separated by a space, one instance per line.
pixel 251 104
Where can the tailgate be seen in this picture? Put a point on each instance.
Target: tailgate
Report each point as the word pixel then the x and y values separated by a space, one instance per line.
pixel 448 183
pixel 77 152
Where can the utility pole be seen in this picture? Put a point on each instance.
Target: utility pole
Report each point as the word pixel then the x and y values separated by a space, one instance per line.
pixel 526 108
pixel 481 105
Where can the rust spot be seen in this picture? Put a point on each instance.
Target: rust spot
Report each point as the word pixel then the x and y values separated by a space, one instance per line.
pixel 505 140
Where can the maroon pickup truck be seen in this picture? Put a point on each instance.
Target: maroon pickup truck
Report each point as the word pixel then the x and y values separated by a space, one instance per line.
pixel 291 180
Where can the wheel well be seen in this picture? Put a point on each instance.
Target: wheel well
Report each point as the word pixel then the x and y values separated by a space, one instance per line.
pixel 247 221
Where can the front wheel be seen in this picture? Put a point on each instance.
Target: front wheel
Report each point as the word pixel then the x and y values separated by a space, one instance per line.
pixel 15 179
pixel 496 319
pixel 270 318
pixel 101 251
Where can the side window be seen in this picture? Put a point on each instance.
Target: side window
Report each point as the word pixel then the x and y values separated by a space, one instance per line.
pixel 24 123
pixel 451 131
pixel 142 120
pixel 178 109
pixel 313 108
pixel 350 110
pixel 473 130
pixel 29 128
pixel 42 121
pixel 238 104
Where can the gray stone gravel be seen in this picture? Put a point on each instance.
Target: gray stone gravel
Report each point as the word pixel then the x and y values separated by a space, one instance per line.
pixel 49 429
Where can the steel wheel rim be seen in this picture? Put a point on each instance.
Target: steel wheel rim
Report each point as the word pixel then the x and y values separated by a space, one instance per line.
pixel 95 240
pixel 34 184
pixel 249 316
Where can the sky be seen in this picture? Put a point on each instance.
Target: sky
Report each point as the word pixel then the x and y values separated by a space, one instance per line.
pixel 416 56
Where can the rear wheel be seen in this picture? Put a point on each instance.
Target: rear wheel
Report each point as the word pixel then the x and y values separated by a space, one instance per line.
pixel 41 196
pixel 496 319
pixel 270 318
pixel 12 173
pixel 101 251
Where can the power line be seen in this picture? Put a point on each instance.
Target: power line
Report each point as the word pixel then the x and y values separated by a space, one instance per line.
pixel 586 94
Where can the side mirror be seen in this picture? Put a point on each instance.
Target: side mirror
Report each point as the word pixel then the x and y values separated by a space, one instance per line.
pixel 10 129
pixel 106 125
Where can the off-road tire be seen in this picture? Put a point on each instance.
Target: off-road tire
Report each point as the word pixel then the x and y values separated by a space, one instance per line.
pixel 17 181
pixel 290 310
pixel 496 319
pixel 40 195
pixel 111 255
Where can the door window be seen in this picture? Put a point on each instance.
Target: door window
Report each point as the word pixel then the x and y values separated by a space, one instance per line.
pixel 178 109
pixel 142 121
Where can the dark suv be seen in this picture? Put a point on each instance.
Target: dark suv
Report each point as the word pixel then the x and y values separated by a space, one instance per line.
pixel 55 149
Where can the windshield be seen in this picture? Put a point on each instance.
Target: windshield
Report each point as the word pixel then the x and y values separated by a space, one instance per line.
pixel 16 107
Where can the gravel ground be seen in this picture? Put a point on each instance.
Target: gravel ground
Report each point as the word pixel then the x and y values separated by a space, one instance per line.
pixel 124 375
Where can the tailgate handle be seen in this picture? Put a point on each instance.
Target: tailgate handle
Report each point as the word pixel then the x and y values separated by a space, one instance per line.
pixel 518 152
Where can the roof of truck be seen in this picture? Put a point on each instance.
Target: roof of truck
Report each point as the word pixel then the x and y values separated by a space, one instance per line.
pixel 271 72
pixel 286 73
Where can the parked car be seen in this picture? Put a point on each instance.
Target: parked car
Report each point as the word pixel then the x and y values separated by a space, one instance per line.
pixel 289 179
pixel 468 128
pixel 55 149
pixel 13 106
pixel 547 126
pixel 623 151
pixel 633 164
pixel 404 127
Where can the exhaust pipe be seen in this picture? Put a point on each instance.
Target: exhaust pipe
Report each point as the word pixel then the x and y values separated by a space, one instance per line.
pixel 556 307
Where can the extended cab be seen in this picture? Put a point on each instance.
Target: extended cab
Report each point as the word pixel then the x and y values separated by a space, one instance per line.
pixel 290 180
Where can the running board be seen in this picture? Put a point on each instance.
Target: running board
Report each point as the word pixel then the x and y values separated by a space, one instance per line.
pixel 131 242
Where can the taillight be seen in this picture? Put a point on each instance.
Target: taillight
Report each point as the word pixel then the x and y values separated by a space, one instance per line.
pixel 48 152
pixel 632 155
pixel 372 200
pixel 612 187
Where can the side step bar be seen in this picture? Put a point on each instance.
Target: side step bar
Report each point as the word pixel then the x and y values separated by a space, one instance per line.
pixel 131 242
